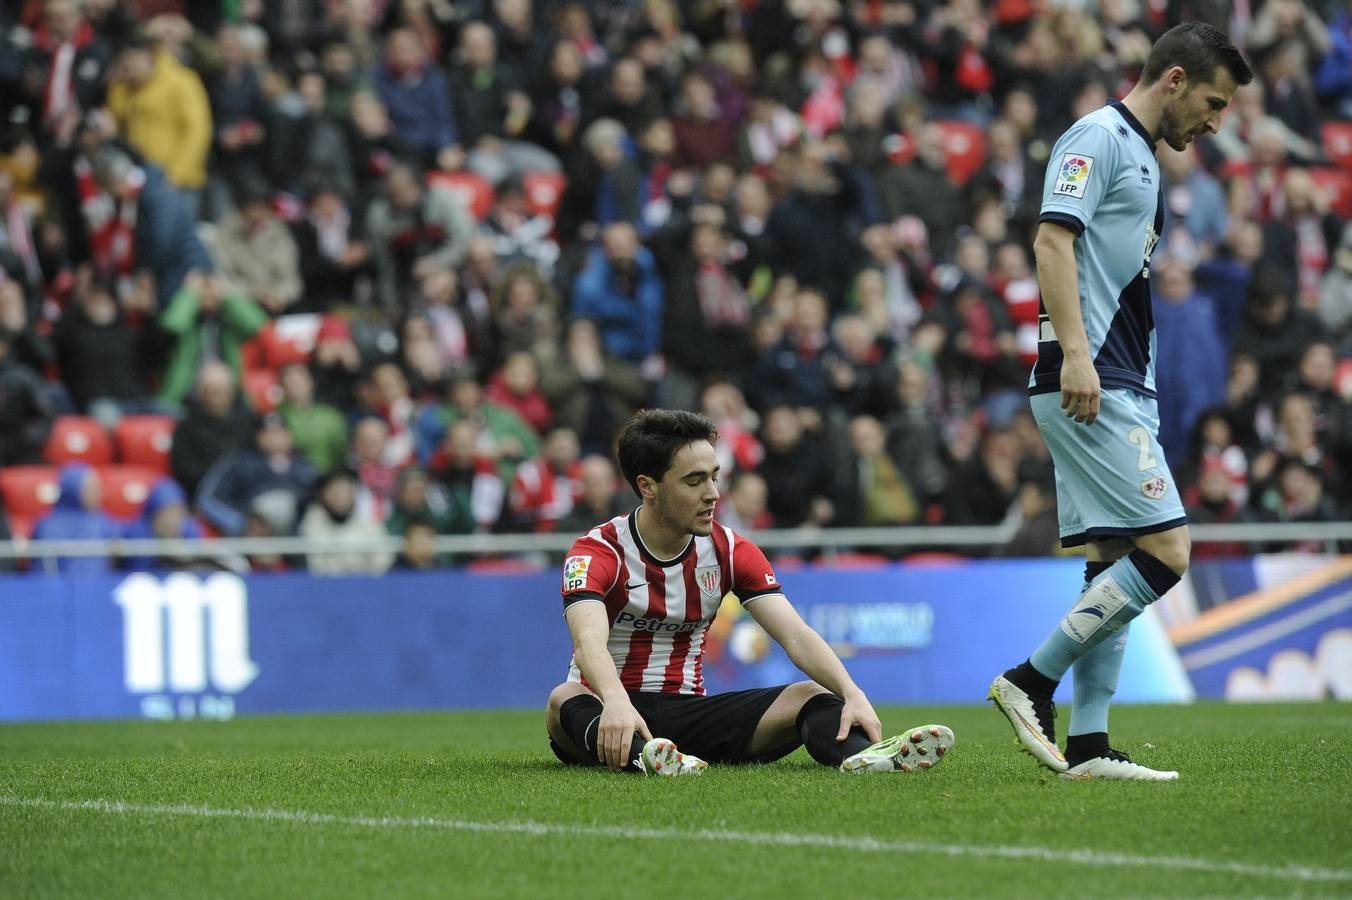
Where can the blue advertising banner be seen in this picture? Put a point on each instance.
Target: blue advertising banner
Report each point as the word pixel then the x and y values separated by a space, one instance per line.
pixel 218 645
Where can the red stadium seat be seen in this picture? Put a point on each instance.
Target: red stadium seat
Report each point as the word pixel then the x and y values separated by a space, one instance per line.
pixel 125 489
pixel 1336 185
pixel 144 441
pixel 262 390
pixel 475 191
pixel 965 145
pixel 28 492
pixel 78 439
pixel 1338 143
pixel 544 191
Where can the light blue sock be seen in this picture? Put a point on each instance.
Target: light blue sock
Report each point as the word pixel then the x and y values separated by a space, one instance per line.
pixel 1096 675
pixel 1117 596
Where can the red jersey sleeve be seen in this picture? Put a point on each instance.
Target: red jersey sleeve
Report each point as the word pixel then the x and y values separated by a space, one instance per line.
pixel 589 571
pixel 752 575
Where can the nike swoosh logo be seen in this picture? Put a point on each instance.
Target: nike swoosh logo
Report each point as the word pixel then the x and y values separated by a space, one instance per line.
pixel 635 585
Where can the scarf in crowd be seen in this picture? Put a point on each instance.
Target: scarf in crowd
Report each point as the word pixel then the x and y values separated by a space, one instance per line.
pixel 111 224
pixel 59 94
pixel 722 302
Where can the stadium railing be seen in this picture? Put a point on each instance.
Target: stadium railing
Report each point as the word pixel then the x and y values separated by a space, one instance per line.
pixel 829 542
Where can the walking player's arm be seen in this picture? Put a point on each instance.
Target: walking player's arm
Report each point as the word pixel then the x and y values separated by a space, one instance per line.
pixel 817 660
pixel 1058 278
pixel 589 628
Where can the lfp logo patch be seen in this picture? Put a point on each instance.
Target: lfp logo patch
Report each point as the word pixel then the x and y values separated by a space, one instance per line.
pixel 1155 488
pixel 1073 175
pixel 575 572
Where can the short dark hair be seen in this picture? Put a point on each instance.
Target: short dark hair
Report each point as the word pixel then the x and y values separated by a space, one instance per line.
pixel 651 439
pixel 1200 49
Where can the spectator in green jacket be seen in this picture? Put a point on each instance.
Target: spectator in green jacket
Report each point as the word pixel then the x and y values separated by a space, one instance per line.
pixel 208 321
pixel 320 430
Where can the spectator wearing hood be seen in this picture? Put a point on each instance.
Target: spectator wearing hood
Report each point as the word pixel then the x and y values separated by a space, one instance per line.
pixel 78 516
pixel 165 516
pixel 335 518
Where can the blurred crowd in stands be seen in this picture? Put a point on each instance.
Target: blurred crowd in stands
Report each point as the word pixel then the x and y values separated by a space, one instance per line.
pixel 342 268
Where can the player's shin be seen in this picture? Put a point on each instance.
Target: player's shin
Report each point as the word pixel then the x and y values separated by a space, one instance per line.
pixel 1117 596
pixel 819 723
pixel 580 717
pixel 1096 676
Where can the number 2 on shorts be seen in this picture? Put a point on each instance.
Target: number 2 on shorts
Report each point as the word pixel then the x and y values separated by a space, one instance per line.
pixel 1141 438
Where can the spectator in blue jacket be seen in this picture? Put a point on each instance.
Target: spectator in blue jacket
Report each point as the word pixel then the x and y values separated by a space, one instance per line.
pixel 78 516
pixel 621 290
pixel 270 474
pixel 418 100
pixel 1190 359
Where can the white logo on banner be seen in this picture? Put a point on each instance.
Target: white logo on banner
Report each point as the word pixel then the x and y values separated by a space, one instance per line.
pixel 185 636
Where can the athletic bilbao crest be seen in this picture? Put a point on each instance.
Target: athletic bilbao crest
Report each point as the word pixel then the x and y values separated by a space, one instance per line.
pixel 709 579
pixel 1155 488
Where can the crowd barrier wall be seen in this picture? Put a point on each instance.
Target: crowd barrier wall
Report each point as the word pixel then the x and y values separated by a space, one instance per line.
pixel 218 645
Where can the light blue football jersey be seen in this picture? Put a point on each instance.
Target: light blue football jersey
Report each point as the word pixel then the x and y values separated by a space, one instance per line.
pixel 1103 183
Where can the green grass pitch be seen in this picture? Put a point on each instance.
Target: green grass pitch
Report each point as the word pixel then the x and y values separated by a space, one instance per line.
pixel 473 805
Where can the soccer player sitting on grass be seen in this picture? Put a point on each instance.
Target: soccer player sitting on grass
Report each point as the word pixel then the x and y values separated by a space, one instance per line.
pixel 640 592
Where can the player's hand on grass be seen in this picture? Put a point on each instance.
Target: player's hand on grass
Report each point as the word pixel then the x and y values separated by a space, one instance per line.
pixel 858 711
pixel 619 721
pixel 1080 389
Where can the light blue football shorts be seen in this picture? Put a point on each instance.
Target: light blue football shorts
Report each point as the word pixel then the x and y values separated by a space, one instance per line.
pixel 1111 477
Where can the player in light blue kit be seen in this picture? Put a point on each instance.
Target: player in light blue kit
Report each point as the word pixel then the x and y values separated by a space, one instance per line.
pixel 1093 389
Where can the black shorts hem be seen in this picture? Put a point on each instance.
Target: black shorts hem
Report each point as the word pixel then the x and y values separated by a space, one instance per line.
pixel 1090 534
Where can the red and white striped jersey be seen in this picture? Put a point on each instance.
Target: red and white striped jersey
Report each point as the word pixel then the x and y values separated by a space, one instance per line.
pixel 660 610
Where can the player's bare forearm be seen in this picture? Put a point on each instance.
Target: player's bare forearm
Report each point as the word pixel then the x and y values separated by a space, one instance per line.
pixel 812 655
pixel 1059 282
pixel 589 629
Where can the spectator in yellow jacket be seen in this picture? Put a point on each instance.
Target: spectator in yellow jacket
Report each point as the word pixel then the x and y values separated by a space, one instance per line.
pixel 162 110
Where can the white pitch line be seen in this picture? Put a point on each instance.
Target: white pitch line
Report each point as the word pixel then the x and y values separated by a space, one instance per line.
pixel 760 838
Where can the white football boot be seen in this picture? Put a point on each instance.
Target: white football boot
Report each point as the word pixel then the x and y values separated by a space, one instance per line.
pixel 1116 766
pixel 1032 718
pixel 917 750
pixel 660 757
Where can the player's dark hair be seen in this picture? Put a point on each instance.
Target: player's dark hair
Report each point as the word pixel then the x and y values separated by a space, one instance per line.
pixel 651 439
pixel 1199 49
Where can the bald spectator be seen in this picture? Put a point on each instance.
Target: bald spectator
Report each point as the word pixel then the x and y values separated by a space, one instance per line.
pixel 216 423
pixel 492 111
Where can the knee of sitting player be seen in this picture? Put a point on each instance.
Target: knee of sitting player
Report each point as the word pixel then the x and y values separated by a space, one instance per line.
pixel 561 694
pixel 803 691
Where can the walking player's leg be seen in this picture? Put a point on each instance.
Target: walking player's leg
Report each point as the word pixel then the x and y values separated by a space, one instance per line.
pixel 1097 672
